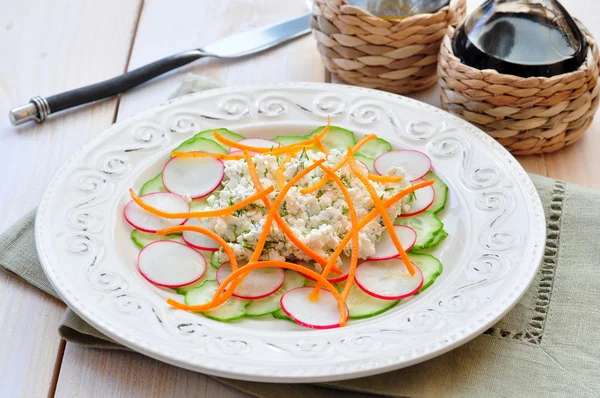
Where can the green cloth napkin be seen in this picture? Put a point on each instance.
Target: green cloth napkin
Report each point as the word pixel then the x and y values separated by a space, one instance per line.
pixel 548 345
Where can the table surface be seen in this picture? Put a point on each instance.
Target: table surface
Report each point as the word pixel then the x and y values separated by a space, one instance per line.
pixel 54 46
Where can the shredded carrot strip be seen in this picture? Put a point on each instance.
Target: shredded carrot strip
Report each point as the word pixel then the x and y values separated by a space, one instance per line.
pixel 279 177
pixel 193 228
pixel 237 156
pixel 280 149
pixel 378 178
pixel 201 214
pixel 237 145
pixel 371 216
pixel 384 215
pixel 321 183
pixel 354 232
pixel 275 207
pixel 221 297
pixel 321 147
pixel 195 154
pixel 280 222
pixel 317 137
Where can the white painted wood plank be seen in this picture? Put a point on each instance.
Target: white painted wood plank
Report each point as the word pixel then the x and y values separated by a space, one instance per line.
pixel 164 29
pixel 47 47
pixel 94 373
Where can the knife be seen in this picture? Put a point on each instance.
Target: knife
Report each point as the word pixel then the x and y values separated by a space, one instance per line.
pixel 236 46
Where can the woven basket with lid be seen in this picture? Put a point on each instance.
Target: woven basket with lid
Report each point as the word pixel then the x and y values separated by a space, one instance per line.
pixel 527 115
pixel 399 56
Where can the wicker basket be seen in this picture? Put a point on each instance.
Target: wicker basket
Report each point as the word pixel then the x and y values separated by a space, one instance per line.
pixel 399 56
pixel 527 115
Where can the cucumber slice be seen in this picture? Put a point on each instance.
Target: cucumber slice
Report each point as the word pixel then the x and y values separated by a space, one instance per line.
pixel 367 161
pixel 374 148
pixel 430 266
pixel 361 305
pixel 142 239
pixel 290 139
pixel 336 137
pixel 152 186
pixel 438 237
pixel 270 304
pixel 441 193
pixel 280 314
pixel 214 261
pixel 233 309
pixel 230 135
pixel 199 144
pixel 209 275
pixel 427 226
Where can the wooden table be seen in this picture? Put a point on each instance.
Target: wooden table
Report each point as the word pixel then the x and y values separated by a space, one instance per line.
pixel 49 47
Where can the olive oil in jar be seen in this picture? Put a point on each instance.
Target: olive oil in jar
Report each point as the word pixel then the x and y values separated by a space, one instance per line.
pixel 398 9
pixel 522 38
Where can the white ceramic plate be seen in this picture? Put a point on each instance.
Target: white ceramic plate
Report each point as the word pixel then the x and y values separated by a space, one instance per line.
pixel 494 218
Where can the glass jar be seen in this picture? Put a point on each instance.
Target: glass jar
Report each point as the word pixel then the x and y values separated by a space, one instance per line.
pixel 521 37
pixel 398 9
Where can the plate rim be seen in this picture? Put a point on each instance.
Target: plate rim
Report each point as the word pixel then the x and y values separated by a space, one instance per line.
pixel 515 167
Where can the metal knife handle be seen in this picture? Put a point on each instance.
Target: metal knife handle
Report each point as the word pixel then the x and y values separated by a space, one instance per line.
pixel 39 108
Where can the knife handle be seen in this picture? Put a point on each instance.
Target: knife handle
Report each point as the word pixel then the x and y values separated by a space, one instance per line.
pixel 39 107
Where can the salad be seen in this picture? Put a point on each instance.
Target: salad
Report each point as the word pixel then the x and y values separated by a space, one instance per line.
pixel 315 229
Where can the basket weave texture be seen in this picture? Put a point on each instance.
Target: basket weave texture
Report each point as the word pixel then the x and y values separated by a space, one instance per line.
pixel 527 115
pixel 399 56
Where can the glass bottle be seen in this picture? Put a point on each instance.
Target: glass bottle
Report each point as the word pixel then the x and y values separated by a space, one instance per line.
pixel 398 9
pixel 521 37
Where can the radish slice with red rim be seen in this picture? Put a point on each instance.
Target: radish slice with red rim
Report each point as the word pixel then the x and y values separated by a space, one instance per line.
pixel 148 222
pixel 362 165
pixel 322 313
pixel 385 248
pixel 259 283
pixel 388 279
pixel 424 198
pixel 415 163
pixel 194 177
pixel 171 264
pixel 198 240
pixel 332 277
pixel 255 142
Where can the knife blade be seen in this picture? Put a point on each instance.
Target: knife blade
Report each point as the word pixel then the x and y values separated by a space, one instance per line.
pixel 235 46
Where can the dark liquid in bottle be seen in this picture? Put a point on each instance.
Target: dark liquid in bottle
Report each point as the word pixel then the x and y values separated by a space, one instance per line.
pixel 520 44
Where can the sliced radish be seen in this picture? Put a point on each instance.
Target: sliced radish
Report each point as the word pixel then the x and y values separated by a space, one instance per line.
pixel 194 177
pixel 424 198
pixel 362 165
pixel 385 248
pixel 388 280
pixel 319 314
pixel 257 143
pixel 198 240
pixel 332 277
pixel 148 222
pixel 171 264
pixel 415 164
pixel 260 283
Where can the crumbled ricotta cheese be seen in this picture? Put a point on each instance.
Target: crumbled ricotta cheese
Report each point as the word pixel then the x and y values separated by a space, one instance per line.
pixel 319 219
